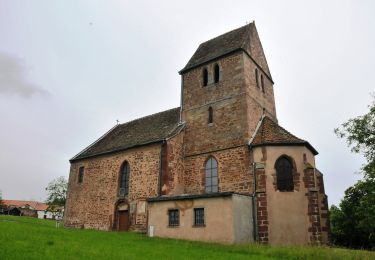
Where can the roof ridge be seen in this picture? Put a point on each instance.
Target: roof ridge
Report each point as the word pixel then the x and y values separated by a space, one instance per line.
pixel 144 117
pixel 248 38
pixel 140 131
pixel 93 143
pixel 231 31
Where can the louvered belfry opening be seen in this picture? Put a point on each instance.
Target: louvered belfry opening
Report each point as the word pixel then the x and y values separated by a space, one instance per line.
pixel 284 174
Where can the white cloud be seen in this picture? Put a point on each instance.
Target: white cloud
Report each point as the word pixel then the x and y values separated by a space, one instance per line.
pixel 13 80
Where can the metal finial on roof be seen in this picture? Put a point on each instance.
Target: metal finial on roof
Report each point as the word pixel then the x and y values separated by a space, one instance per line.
pixel 117 122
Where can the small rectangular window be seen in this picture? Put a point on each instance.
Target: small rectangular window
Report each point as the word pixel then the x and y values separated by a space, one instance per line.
pixel 81 172
pixel 199 217
pixel 174 217
pixel 262 83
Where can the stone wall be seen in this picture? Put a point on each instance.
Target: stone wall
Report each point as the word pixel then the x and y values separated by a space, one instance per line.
pixel 324 210
pixel 227 99
pixel 91 204
pixel 173 166
pixel 233 171
pixel 236 101
pixel 255 96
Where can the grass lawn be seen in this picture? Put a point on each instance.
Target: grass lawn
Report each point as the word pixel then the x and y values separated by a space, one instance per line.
pixel 30 238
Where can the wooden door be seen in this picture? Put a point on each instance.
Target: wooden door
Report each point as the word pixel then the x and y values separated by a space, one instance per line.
pixel 123 220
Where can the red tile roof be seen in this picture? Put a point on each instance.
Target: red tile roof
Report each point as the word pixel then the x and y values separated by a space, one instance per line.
pixel 270 133
pixel 21 203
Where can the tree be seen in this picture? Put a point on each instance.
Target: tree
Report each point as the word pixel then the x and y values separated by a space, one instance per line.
pixel 359 133
pixel 353 222
pixel 1 203
pixel 56 194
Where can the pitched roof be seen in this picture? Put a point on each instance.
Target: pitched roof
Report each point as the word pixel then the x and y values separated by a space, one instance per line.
pixel 270 133
pixel 142 131
pixel 21 203
pixel 218 46
pixel 238 39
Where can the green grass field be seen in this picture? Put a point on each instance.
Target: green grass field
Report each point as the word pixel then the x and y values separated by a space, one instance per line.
pixel 29 238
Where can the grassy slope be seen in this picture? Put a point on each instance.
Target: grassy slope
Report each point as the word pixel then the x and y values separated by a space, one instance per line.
pixel 22 237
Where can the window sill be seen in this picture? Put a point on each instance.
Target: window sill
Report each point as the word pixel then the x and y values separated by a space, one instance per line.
pixel 177 226
pixel 211 124
pixel 213 84
pixel 199 226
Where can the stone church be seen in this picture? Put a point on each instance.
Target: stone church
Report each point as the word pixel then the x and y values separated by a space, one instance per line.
pixel 217 168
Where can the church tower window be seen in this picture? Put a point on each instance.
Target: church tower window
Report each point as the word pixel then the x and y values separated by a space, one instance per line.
pixel 205 77
pixel 262 83
pixel 257 77
pixel 211 177
pixel 210 115
pixel 216 73
pixel 284 174
pixel 124 179
pixel 81 173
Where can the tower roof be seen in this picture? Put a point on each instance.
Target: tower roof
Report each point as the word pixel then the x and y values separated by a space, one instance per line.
pixel 270 133
pixel 244 38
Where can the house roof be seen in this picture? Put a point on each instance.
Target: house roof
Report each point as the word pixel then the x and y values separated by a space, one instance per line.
pixel 142 131
pixel 270 133
pixel 22 203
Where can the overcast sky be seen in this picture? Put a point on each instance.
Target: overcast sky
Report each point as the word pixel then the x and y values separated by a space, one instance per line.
pixel 69 69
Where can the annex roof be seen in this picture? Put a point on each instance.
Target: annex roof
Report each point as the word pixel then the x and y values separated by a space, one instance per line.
pixel 146 130
pixel 270 133
pixel 194 196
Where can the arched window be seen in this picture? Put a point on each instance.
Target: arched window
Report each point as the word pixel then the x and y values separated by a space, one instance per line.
pixel 284 174
pixel 262 83
pixel 210 115
pixel 205 77
pixel 257 77
pixel 216 73
pixel 124 179
pixel 211 177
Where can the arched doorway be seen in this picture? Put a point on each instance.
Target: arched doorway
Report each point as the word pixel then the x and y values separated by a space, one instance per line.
pixel 123 217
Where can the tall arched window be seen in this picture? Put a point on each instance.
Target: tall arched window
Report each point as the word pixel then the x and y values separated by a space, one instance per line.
pixel 216 73
pixel 205 77
pixel 211 177
pixel 124 179
pixel 210 115
pixel 284 174
pixel 257 77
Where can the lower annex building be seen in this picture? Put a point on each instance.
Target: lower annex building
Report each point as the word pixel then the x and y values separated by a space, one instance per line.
pixel 217 168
